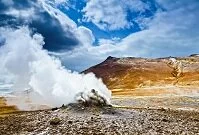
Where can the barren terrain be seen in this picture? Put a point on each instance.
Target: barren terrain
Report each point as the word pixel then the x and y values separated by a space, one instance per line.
pixel 149 96
pixel 107 120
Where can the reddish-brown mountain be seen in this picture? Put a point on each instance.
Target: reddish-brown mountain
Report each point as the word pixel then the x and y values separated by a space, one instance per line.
pixel 130 76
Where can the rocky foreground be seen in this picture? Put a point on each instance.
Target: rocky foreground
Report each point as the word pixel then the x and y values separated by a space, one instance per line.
pixel 152 96
pixel 99 121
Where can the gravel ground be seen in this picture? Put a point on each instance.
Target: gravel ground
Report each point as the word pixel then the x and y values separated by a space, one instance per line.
pixel 99 121
pixel 172 102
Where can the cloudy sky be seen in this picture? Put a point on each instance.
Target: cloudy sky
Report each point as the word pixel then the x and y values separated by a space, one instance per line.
pixel 83 33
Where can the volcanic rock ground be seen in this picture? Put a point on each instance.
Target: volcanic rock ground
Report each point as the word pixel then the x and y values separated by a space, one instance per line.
pixel 130 116
pixel 97 121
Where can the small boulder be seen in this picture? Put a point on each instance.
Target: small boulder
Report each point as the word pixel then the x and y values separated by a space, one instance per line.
pixel 55 121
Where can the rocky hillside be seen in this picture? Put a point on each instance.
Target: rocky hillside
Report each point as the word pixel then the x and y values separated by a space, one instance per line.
pixel 134 73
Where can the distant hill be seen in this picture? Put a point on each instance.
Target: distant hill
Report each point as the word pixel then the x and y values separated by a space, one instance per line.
pixel 133 73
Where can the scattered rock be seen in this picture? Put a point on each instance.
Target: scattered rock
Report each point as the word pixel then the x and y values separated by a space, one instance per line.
pixel 70 122
pixel 106 120
pixel 162 109
pixel 165 120
pixel 55 121
pixel 53 109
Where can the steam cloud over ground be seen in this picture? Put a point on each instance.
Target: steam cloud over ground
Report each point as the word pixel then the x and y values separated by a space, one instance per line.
pixel 26 65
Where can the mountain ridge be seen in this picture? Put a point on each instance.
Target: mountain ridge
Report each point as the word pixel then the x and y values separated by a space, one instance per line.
pixel 130 73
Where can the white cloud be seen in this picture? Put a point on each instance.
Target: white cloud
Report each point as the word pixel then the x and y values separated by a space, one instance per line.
pixel 56 3
pixel 135 5
pixel 60 1
pixel 109 41
pixel 85 36
pixel 174 32
pixel 103 14
pixel 7 2
pixel 66 22
pixel 111 14
pixel 21 13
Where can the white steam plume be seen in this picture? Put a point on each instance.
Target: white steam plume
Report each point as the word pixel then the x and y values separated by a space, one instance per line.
pixel 30 67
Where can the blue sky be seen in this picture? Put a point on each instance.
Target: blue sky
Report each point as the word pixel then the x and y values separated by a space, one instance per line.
pixel 83 33
pixel 76 13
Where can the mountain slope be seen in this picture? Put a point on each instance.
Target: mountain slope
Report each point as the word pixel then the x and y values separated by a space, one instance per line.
pixel 122 75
